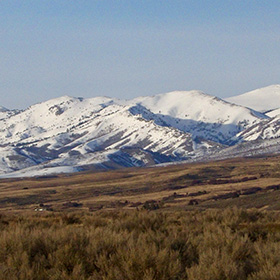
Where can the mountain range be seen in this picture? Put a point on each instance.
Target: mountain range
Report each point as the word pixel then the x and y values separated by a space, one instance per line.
pixel 70 134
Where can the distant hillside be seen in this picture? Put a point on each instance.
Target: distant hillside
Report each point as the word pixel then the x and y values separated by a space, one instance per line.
pixel 70 134
pixel 263 99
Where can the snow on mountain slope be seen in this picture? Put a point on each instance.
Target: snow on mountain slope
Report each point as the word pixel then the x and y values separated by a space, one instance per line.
pixel 37 171
pixel 11 160
pixel 4 112
pixel 263 99
pixel 273 113
pixel 79 132
pixel 71 134
pixel 56 122
pixel 268 129
pixel 247 149
pixel 200 114
pixel 47 119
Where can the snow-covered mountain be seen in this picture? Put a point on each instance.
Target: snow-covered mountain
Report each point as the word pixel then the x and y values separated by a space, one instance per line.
pixel 266 100
pixel 263 99
pixel 4 112
pixel 268 129
pixel 69 134
pixel 90 132
pixel 202 115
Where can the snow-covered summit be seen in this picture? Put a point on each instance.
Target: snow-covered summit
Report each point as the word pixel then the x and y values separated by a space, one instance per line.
pixel 195 105
pixel 5 113
pixel 69 102
pixel 263 99
pixel 200 114
pixel 50 118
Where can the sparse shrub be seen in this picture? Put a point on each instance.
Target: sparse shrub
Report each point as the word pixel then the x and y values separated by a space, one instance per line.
pixel 72 204
pixel 193 202
pixel 152 205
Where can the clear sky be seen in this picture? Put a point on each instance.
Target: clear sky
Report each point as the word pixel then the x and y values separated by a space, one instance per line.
pixel 131 48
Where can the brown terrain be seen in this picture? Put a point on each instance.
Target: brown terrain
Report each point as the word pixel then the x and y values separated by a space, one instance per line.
pixel 242 182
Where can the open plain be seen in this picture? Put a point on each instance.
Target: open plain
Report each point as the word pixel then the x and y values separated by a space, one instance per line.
pixel 242 182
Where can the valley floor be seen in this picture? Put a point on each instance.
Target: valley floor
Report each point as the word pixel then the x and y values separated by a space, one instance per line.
pixel 241 182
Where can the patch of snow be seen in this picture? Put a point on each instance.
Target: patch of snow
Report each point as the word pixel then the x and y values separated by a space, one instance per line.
pixel 34 172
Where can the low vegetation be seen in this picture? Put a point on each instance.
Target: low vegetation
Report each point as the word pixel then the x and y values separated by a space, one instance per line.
pixel 213 244
pixel 246 182
pixel 204 221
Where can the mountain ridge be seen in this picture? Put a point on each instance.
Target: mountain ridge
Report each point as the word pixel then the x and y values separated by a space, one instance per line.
pixel 73 133
pixel 263 99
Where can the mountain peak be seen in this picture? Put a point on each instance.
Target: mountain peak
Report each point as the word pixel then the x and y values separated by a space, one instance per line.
pixel 192 104
pixel 262 99
pixel 184 93
pixel 64 99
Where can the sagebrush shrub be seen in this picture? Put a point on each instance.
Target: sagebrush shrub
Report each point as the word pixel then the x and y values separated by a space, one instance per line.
pixel 229 244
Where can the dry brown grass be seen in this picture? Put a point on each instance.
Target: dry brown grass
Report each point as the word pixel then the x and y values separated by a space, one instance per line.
pixel 131 188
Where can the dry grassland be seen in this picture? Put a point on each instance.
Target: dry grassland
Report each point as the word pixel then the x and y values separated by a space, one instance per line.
pixel 100 226
pixel 244 182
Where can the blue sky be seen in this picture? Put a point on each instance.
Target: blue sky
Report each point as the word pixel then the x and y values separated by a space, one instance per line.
pixel 126 49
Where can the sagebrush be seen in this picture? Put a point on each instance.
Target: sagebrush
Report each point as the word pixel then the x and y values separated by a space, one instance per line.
pixel 228 244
